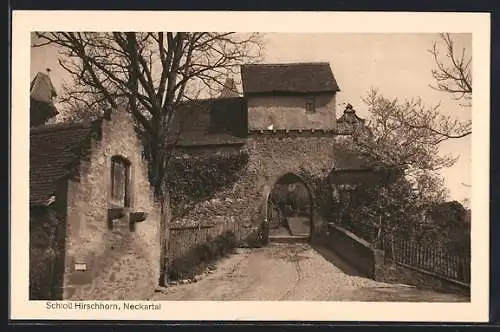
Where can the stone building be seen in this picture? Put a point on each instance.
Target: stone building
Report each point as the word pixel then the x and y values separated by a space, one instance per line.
pixel 94 223
pixel 286 122
pixel 42 93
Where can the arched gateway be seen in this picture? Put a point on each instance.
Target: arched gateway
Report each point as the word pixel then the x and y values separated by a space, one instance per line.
pixel 289 208
pixel 285 128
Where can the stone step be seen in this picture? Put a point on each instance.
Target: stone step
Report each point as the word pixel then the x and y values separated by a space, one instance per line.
pixel 289 238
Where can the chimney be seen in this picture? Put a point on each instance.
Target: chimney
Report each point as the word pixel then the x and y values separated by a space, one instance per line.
pixel 42 93
pixel 229 90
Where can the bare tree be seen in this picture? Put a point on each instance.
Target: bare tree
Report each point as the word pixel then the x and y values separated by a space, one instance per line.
pixel 453 74
pixel 153 72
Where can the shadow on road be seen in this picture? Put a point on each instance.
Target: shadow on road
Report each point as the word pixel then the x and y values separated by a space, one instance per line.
pixel 333 258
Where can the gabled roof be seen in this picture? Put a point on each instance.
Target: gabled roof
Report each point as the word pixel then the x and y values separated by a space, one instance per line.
pixel 229 90
pixel 316 77
pixel 54 150
pixel 218 121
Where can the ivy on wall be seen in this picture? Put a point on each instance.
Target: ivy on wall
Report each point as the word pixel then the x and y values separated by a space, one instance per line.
pixel 193 179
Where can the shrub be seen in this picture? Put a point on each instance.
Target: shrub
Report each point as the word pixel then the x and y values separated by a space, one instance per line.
pixel 41 273
pixel 43 254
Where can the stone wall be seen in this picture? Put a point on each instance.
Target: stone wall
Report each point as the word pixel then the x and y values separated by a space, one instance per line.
pixel 118 263
pixel 271 155
pixel 372 263
pixel 289 112
pixel 354 250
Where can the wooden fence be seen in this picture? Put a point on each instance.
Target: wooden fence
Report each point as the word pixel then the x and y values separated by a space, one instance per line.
pixel 183 238
pixel 430 259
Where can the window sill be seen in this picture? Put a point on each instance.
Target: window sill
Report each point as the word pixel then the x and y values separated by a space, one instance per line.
pixel 133 217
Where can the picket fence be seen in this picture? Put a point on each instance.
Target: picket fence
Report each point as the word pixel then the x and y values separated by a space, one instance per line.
pixel 182 238
pixel 431 259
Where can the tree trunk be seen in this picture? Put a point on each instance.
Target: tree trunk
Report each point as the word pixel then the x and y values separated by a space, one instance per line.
pixel 157 178
pixel 164 239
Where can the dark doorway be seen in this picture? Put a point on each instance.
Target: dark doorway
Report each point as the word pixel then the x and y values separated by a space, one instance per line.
pixel 289 207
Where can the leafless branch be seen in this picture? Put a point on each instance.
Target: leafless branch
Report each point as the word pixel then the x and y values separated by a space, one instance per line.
pixel 453 74
pixel 151 72
pixel 405 134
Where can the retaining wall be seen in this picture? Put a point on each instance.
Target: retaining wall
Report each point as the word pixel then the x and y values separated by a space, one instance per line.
pixel 372 263
pixel 354 250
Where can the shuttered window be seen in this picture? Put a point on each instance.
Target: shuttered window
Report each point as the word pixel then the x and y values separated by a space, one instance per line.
pixel 120 181
pixel 310 105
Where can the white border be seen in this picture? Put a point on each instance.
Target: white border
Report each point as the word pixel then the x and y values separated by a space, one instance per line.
pixel 362 22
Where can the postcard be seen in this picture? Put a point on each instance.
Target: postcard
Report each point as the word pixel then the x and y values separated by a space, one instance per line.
pixel 298 166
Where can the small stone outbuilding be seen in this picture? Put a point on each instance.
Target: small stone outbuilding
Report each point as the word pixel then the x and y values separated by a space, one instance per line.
pixel 94 222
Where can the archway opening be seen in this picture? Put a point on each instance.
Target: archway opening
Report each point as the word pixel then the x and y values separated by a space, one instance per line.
pixel 290 207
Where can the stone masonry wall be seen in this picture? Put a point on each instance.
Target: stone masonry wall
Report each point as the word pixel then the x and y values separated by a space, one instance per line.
pixel 271 155
pixel 274 155
pixel 120 263
pixel 354 250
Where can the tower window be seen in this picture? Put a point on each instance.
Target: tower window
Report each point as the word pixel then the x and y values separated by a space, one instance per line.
pixel 310 105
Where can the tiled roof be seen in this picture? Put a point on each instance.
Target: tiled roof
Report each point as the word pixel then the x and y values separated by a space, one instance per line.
pixel 53 150
pixel 288 78
pixel 220 121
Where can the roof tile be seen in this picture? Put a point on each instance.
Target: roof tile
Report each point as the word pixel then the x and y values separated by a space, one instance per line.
pixel 313 77
pixel 52 149
pixel 219 121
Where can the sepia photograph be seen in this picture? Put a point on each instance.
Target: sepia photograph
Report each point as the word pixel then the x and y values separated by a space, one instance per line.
pixel 249 166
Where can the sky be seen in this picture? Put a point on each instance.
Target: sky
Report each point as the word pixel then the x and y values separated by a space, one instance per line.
pixel 398 65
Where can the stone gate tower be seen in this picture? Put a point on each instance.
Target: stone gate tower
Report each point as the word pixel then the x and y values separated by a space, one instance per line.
pixel 291 121
pixel 285 122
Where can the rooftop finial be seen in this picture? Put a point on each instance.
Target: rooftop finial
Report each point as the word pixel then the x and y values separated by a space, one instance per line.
pixel 349 108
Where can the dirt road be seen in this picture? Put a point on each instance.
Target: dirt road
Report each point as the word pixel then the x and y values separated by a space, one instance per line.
pixel 292 272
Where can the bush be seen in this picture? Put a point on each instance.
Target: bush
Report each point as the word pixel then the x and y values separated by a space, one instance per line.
pixel 43 254
pixel 202 255
pixel 41 273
